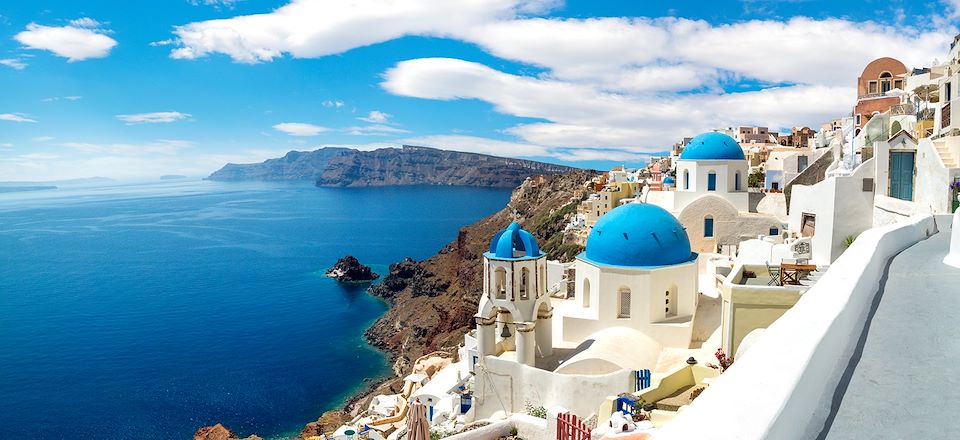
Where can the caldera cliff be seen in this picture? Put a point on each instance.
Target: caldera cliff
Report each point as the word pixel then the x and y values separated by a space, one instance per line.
pixel 409 165
pixel 433 301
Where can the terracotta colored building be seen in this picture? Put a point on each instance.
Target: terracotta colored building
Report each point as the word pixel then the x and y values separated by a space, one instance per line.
pixel 879 77
pixel 798 137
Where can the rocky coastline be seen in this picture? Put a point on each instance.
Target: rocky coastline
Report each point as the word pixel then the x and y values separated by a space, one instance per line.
pixel 432 302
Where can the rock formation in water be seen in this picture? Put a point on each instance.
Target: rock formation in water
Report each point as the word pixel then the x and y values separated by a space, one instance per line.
pixel 219 432
pixel 349 270
pixel 433 301
pixel 409 165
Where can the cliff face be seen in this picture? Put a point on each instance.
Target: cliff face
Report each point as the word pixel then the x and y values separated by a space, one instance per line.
pixel 296 165
pixel 391 166
pixel 434 300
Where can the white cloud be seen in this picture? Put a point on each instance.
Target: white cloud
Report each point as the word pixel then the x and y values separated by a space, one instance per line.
pixel 43 139
pixel 587 116
pixel 333 103
pixel 300 129
pixel 631 83
pixel 376 117
pixel 15 117
pixel 153 118
pixel 13 63
pixel 57 98
pixel 6 145
pixel 313 28
pixel 375 130
pixel 85 22
pixel 80 40
pixel 224 3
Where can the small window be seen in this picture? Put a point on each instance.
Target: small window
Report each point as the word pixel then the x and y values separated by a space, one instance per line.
pixel 774 231
pixel 624 310
pixel 686 179
pixel 872 87
pixel 712 181
pixel 524 283
pixel 708 227
pixel 801 163
pixel 736 181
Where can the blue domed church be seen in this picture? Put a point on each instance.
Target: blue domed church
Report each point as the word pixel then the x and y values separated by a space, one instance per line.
pixel 712 163
pixel 638 271
pixel 514 305
pixel 710 196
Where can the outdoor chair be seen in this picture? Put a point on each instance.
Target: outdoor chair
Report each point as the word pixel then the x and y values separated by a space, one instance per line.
pixel 774 275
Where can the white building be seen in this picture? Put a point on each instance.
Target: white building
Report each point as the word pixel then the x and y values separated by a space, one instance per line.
pixel 711 198
pixel 636 287
pixel 637 272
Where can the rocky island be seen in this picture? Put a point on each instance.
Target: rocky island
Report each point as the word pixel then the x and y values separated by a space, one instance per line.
pixel 409 165
pixel 349 270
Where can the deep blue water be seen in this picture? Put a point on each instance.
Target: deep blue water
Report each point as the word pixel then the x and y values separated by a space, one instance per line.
pixel 147 311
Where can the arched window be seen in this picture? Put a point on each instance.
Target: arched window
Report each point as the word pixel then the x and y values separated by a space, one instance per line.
pixel 708 227
pixel 623 300
pixel 586 292
pixel 500 283
pixel 736 181
pixel 895 128
pixel 886 82
pixel 686 179
pixel 712 181
pixel 524 283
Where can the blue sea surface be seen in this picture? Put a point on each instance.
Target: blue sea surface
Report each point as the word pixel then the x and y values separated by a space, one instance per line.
pixel 147 311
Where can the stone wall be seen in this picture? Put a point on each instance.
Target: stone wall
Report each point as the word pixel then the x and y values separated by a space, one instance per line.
pixel 813 174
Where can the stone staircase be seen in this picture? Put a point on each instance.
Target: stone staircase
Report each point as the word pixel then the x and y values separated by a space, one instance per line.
pixel 948 160
pixel 815 276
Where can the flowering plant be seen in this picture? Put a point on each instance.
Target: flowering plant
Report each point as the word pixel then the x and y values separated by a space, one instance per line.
pixel 955 185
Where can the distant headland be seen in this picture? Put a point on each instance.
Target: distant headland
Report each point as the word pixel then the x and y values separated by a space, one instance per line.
pixel 409 165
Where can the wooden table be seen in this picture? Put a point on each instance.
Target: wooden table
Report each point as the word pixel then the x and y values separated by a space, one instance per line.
pixel 790 272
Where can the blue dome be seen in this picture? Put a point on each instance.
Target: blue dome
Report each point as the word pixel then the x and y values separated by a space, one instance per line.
pixel 669 181
pixel 639 235
pixel 712 146
pixel 511 240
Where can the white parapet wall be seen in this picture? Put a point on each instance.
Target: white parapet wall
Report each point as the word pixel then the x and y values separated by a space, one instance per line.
pixel 784 388
pixel 953 257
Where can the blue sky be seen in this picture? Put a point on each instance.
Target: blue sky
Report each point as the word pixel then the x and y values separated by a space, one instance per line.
pixel 138 89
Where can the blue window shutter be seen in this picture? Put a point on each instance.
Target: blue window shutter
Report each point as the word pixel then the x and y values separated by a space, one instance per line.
pixel 708 227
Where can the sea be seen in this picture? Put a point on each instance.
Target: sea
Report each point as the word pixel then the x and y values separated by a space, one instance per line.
pixel 149 310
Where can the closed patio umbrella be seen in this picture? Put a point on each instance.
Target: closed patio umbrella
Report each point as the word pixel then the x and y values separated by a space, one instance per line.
pixel 418 428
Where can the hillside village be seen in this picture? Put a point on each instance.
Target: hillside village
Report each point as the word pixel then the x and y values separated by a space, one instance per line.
pixel 744 255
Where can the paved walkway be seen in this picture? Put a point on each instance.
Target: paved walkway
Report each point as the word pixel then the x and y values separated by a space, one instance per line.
pixel 906 383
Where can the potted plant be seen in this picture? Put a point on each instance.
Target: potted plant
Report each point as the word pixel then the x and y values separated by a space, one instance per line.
pixel 955 187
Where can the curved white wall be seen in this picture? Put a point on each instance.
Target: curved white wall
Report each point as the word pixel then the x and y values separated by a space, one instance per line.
pixel 783 389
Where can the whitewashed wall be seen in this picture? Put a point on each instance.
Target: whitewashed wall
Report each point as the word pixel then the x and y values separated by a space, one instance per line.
pixel 783 389
pixel 518 384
